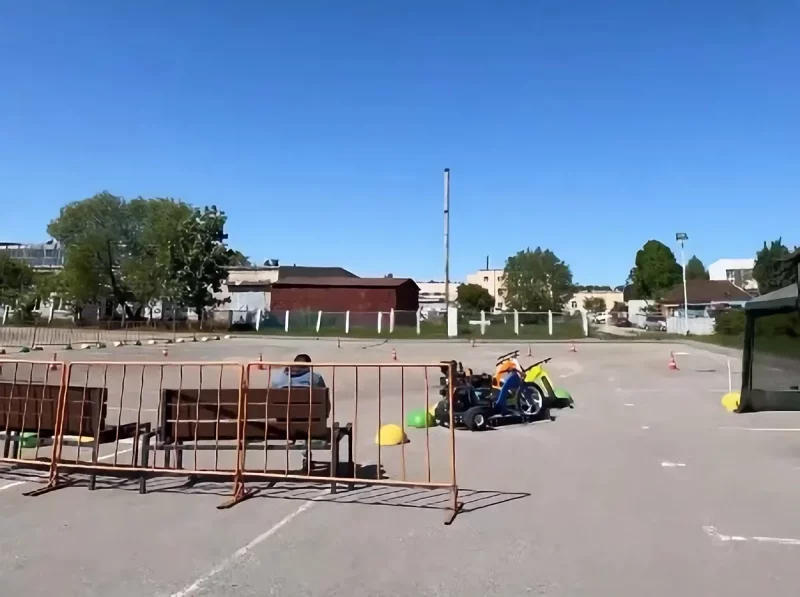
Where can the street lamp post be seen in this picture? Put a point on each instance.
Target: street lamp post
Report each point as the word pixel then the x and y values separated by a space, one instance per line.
pixel 681 237
pixel 447 241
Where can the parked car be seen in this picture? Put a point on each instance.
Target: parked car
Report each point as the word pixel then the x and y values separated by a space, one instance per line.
pixel 623 323
pixel 655 323
pixel 601 318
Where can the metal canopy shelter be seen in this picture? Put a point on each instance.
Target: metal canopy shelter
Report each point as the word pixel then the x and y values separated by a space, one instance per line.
pixel 771 363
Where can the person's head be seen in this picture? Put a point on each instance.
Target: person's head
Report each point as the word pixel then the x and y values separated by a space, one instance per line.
pixel 301 358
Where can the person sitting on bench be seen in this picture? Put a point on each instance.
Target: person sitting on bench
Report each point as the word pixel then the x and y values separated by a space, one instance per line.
pixel 297 376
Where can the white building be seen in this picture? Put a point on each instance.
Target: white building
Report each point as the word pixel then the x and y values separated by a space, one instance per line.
pixel 575 303
pixel 738 271
pixel 493 281
pixel 432 298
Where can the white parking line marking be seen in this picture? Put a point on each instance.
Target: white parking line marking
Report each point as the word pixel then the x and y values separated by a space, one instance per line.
pixel 14 484
pixel 672 464
pixel 778 540
pixel 106 457
pixel 628 404
pixel 712 532
pixel 243 551
pixel 760 429
pixel 645 427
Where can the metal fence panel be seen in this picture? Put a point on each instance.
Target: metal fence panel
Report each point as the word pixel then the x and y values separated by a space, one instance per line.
pixel 30 398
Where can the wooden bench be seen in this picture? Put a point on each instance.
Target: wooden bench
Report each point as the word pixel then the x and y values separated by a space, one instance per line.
pixel 274 419
pixel 31 407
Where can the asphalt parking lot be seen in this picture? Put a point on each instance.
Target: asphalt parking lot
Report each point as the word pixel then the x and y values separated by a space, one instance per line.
pixel 647 487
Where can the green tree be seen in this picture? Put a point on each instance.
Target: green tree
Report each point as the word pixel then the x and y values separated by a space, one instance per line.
pixel 474 297
pixel 770 270
pixel 16 281
pixel 199 259
pixel 537 281
pixel 594 304
pixel 695 270
pixel 240 259
pixel 148 274
pixel 98 235
pixel 655 270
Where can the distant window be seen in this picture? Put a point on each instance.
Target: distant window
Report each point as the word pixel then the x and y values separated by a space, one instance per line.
pixel 486 278
pixel 574 304
pixel 499 278
pixel 500 305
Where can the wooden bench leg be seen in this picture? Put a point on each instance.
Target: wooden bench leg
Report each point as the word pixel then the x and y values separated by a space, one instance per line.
pixel 93 476
pixel 179 455
pixel 145 461
pixel 351 468
pixel 335 460
pixel 16 441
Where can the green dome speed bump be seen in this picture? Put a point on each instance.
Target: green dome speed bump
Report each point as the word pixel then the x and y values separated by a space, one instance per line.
pixel 419 418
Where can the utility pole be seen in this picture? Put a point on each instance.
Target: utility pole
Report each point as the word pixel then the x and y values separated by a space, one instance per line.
pixel 447 238
pixel 681 237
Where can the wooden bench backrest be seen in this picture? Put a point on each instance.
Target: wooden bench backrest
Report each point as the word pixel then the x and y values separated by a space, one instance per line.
pixel 211 414
pixel 32 407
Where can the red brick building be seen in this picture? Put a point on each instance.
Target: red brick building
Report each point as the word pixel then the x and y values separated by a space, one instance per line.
pixel 339 294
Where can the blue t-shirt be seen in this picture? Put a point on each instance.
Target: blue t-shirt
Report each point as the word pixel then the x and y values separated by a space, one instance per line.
pixel 301 378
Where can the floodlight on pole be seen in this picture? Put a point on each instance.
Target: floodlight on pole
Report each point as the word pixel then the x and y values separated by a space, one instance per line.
pixel 681 237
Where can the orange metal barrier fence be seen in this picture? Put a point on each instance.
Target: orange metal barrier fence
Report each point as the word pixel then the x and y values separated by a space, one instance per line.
pixel 30 395
pixel 239 423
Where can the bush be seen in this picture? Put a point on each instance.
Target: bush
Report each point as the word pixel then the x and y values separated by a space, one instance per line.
pixel 534 318
pixel 730 323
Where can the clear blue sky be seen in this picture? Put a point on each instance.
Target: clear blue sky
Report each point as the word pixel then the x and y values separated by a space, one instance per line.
pixel 322 128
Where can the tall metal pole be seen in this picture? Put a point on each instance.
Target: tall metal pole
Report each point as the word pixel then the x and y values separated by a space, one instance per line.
pixel 447 238
pixel 685 294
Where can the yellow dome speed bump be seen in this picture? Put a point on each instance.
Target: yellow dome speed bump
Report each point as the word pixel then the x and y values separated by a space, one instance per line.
pixel 731 401
pixel 390 435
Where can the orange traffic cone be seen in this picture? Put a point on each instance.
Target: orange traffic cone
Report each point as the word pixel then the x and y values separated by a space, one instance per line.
pixel 394 354
pixel 165 352
pixel 572 348
pixel 673 366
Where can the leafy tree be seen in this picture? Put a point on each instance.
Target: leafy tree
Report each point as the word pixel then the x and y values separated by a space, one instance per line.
pixel 97 234
pixel 594 304
pixel 199 258
pixel 474 297
pixel 239 259
pixel 148 273
pixel 537 281
pixel 695 270
pixel 770 271
pixel 16 281
pixel 655 270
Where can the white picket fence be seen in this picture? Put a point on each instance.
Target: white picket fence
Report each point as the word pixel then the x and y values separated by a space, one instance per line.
pixel 698 326
pixel 512 322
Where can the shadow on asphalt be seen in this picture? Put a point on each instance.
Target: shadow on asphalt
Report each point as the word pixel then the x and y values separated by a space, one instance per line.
pixel 391 496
